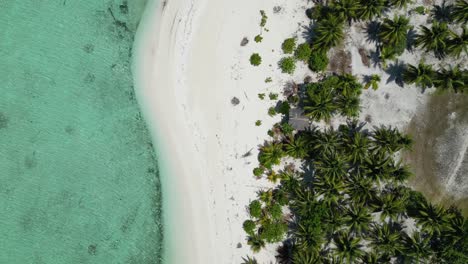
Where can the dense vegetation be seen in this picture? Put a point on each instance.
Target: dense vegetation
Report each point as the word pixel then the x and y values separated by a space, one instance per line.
pixel 349 202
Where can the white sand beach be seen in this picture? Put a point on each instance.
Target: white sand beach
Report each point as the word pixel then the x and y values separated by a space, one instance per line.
pixel 190 66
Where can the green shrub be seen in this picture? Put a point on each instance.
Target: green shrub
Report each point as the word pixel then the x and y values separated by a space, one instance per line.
pixel 287 65
pixel 258 122
pixel 264 18
pixel 249 227
pixel 287 128
pixel 261 96
pixel 284 108
pixel 258 38
pixel 270 133
pixel 258 171
pixel 271 111
pixel 268 80
pixel 255 209
pixel 255 59
pixel 303 52
pixel 276 211
pixel 273 231
pixel 289 45
pixel 318 61
pixel 273 96
pixel 420 10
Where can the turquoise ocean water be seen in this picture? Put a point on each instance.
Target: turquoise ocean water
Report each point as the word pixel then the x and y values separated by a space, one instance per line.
pixel 78 173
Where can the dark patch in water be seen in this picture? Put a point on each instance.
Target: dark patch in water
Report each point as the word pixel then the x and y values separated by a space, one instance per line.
pixel 88 48
pixel 69 130
pixel 3 121
pixel 90 78
pixel 92 249
pixel 129 220
pixel 30 161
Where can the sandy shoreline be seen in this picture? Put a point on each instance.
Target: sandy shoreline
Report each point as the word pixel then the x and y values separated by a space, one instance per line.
pixel 186 78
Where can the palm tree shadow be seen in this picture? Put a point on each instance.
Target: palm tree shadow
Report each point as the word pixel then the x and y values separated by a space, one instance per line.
pixel 308 32
pixel 375 58
pixel 395 70
pixel 372 32
pixel 411 39
pixel 442 12
pixel 308 175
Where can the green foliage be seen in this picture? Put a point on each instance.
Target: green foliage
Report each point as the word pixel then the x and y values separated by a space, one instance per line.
pixel 273 231
pixel 255 209
pixel 318 61
pixel 258 38
pixel 420 10
pixel 249 260
pixel 268 80
pixel 434 39
pixel 283 108
pixel 276 212
pixel 393 34
pixel 249 227
pixel 261 96
pixel 264 18
pixel 255 59
pixel 458 44
pixel 256 243
pixel 287 65
pixel 328 33
pixel 270 154
pixel 289 45
pixel 373 82
pixel 451 78
pixel 272 111
pixel 460 11
pixel 258 122
pixel 400 3
pixel 371 8
pixel 273 96
pixel 422 75
pixel 258 171
pixel 303 52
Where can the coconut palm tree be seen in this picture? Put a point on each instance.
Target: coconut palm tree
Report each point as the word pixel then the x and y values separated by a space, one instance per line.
pixel 319 105
pixel 399 3
pixel 348 85
pixel 417 248
pixel 422 75
pixel 393 33
pixel 346 10
pixel 401 173
pixel 433 219
pixel 390 206
pixel 386 139
pixel 331 190
pixel 296 147
pixel 371 8
pixel 305 257
pixel 328 33
pixel 450 79
pixel 373 81
pixel 255 242
pixel 386 240
pixel 358 219
pixel 326 142
pixel 458 44
pixel 460 11
pixel 348 248
pixel 434 39
pixel 270 154
pixel 331 166
pixel 379 167
pixel 349 106
pixel 360 189
pixel 357 147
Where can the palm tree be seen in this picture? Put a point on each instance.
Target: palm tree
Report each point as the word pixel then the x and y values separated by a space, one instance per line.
pixel 357 147
pixel 388 140
pixel 371 8
pixel 386 240
pixel 417 248
pixel 358 219
pixel 249 260
pixel 433 219
pixel 255 243
pixel 373 81
pixel 349 106
pixel 331 166
pixel 348 85
pixel 401 173
pixel 348 248
pixel 422 75
pixel 450 79
pixel 326 142
pixel 400 3
pixel 319 105
pixel 390 206
pixel 305 257
pixel 458 44
pixel 331 190
pixel 393 33
pixel 346 9
pixel 434 39
pixel 374 258
pixel 328 33
pixel 460 11
pixel 360 189
pixel 379 167
pixel 296 147
pixel 270 154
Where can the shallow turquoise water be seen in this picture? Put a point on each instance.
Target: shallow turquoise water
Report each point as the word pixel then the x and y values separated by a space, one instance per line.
pixel 78 173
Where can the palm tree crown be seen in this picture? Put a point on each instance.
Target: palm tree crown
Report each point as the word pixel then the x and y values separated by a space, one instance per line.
pixel 422 75
pixel 434 39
